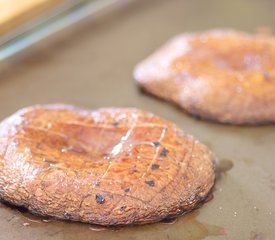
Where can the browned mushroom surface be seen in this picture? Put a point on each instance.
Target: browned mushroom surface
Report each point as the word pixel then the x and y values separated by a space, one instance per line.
pixel 109 166
pixel 220 75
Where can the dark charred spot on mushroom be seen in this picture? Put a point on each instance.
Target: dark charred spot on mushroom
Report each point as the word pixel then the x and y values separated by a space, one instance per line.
pixel 156 143
pixel 150 183
pixel 127 190
pixel 122 208
pixel 164 152
pixel 185 177
pixel 99 198
pixel 154 166
pixel 115 124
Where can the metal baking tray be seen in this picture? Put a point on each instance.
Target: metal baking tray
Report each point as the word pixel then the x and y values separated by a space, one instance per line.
pixel 90 64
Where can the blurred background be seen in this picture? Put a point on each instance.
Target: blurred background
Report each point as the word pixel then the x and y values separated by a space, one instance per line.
pixel 64 46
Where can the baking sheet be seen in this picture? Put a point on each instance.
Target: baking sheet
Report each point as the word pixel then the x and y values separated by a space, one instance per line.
pixel 91 65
